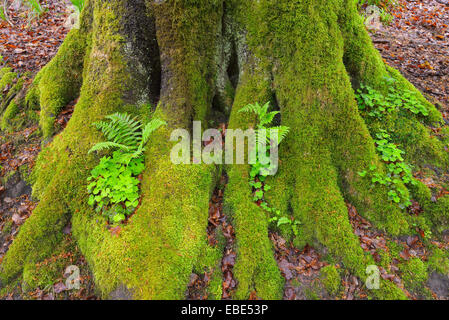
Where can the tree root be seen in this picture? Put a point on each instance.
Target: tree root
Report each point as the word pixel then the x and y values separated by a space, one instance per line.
pixel 303 60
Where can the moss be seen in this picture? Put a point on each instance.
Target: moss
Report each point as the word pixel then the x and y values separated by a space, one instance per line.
pixel 210 262
pixel 365 65
pixel 164 240
pixel 421 193
pixel 59 181
pixel 7 176
pixel 414 274
pixel 435 213
pixel 389 291
pixel 44 274
pixel 7 78
pixel 7 227
pixel 303 52
pixel 312 293
pixel 33 94
pixel 154 254
pixel 329 142
pixel 438 213
pixel 331 279
pixel 25 173
pixel 13 92
pixel 255 267
pixel 438 261
pixel 394 248
pixel 11 111
pixel 60 80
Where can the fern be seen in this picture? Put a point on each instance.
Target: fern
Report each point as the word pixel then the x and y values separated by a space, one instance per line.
pixel 125 133
pixel 152 126
pixel 282 133
pixel 109 145
pixel 265 118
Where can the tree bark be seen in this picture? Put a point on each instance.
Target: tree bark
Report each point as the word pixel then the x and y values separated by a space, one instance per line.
pixel 193 59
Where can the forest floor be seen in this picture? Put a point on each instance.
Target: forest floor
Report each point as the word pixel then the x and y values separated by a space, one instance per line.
pixel 416 43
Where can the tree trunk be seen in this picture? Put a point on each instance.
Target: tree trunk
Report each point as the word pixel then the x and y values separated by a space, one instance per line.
pixel 193 59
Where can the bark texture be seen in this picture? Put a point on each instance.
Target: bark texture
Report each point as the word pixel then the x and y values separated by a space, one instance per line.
pixel 195 59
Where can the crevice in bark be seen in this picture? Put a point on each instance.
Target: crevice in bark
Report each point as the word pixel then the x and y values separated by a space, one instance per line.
pixel 233 70
pixel 142 51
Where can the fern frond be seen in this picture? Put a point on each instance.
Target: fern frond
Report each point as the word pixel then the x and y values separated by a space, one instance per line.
pixel 252 108
pixel 268 118
pixel 150 127
pixel 122 129
pixel 108 145
pixel 125 133
pixel 282 133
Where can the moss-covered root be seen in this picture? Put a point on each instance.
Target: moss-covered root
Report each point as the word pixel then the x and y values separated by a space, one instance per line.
pixel 328 142
pixel 363 62
pixel 59 82
pixel 38 237
pixel 436 214
pixel 255 268
pixel 153 256
pixel 63 166
pixel 365 65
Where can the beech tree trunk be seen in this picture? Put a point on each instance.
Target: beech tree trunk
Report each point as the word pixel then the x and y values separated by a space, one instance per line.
pixel 193 60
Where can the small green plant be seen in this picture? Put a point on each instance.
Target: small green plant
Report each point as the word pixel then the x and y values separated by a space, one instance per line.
pixel 2 13
pixel 79 4
pixel 263 132
pixel 259 171
pixel 386 17
pixel 278 220
pixel 397 170
pixel 114 187
pixel 377 105
pixel 114 184
pixel 36 7
pixel 125 134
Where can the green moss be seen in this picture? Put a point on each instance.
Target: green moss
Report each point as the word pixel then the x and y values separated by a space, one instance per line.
pixel 7 227
pixel 25 173
pixel 438 261
pixel 60 80
pixel 438 213
pixel 329 142
pixel 33 94
pixel 7 176
pixel 312 293
pixel 154 254
pixel 44 274
pixel 414 274
pixel 255 267
pixel 7 78
pixel 435 213
pixel 302 57
pixel 165 239
pixel 11 111
pixel 13 92
pixel 331 279
pixel 210 262
pixel 421 193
